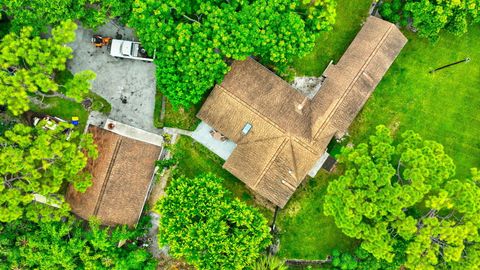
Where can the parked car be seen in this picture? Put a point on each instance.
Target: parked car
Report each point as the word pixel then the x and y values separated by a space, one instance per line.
pixel 130 50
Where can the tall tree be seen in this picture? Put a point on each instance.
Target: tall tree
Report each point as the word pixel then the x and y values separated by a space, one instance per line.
pixel 377 200
pixel 72 245
pixel 430 17
pixel 29 64
pixel 193 39
pixel 200 223
pixel 40 14
pixel 38 160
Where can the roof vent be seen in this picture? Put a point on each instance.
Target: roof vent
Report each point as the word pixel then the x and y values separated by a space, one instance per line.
pixel 246 128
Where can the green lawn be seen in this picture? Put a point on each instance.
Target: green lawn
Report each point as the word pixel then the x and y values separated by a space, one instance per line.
pixel 64 109
pixel 178 118
pixel 194 159
pixel 331 45
pixel 444 106
pixel 305 232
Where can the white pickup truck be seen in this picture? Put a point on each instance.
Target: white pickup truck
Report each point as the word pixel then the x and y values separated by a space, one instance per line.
pixel 129 49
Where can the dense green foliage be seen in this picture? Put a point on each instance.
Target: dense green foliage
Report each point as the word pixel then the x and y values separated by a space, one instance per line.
pixel 28 65
pixel 38 160
pixel 432 16
pixel 376 200
pixel 203 225
pixel 193 39
pixel 72 245
pixel 360 259
pixel 40 14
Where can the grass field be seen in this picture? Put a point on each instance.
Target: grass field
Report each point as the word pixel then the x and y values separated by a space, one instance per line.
pixel 305 232
pixel 444 106
pixel 194 159
pixel 64 109
pixel 331 45
pixel 177 118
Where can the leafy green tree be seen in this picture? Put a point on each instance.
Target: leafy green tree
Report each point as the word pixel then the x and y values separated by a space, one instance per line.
pixel 202 224
pixel 80 84
pixel 363 260
pixel 371 196
pixel 40 14
pixel 193 40
pixel 430 17
pixel 378 196
pixel 28 66
pixel 38 160
pixel 450 229
pixel 72 245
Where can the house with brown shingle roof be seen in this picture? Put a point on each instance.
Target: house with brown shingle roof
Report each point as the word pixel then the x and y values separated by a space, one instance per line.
pixel 122 175
pixel 281 134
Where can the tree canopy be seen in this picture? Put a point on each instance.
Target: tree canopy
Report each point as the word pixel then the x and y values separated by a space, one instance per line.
pixel 40 14
pixel 194 40
pixel 72 245
pixel 202 224
pixel 432 16
pixel 38 160
pixel 394 193
pixel 29 63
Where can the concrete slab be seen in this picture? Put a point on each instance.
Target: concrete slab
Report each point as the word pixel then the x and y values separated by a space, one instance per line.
pixel 318 165
pixel 222 149
pixel 133 132
pixel 129 85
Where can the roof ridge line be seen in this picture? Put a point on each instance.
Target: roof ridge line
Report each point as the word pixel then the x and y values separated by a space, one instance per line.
pixel 350 86
pixel 107 176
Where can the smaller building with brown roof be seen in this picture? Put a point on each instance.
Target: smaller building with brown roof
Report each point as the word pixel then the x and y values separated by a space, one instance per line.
pixel 122 176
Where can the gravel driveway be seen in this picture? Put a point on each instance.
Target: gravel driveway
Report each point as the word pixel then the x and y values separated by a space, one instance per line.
pixel 129 85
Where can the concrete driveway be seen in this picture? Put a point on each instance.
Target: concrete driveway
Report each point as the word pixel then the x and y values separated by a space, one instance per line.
pixel 128 85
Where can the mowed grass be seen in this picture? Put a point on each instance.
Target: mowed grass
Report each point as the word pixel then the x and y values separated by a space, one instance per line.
pixel 443 106
pixel 331 45
pixel 194 159
pixel 64 109
pixel 305 232
pixel 175 117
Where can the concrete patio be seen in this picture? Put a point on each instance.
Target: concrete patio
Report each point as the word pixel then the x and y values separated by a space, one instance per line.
pixel 222 149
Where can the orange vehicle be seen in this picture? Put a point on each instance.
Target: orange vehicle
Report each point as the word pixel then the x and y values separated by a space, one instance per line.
pixel 100 41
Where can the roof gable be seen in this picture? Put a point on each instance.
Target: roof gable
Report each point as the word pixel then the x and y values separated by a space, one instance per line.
pixel 122 176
